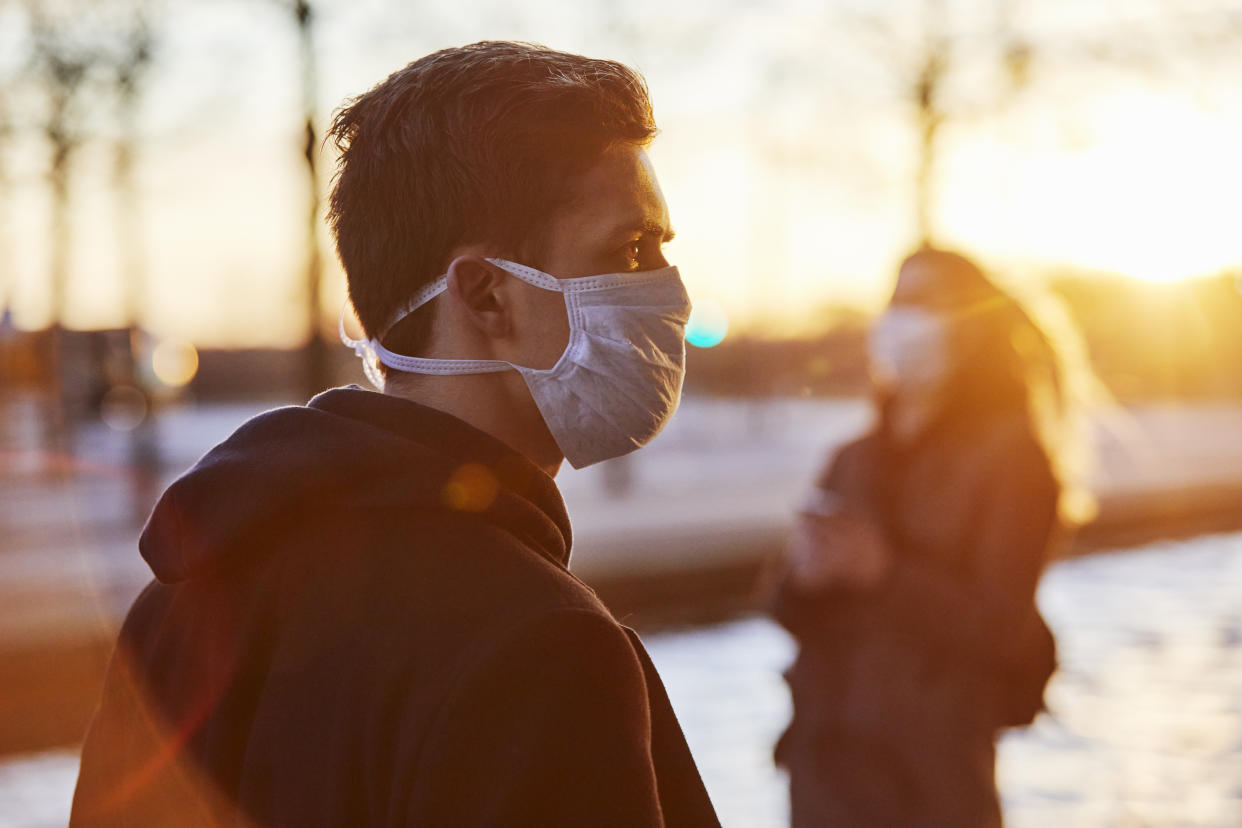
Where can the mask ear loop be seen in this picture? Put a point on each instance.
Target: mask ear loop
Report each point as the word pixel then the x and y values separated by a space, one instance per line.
pixel 362 348
pixel 369 349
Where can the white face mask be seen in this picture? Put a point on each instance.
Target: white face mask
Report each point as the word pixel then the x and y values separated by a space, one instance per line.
pixel 619 380
pixel 908 349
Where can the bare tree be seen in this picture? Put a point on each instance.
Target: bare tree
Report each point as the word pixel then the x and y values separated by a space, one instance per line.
pixel 932 63
pixel 86 62
pixel 922 52
pixel 7 133
pixel 60 61
pixel 133 60
pixel 318 373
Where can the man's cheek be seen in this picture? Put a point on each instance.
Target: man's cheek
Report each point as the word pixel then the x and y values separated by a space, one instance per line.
pixel 547 332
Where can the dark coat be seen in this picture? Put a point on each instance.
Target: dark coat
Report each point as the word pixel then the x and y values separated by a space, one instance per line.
pixel 899 691
pixel 363 616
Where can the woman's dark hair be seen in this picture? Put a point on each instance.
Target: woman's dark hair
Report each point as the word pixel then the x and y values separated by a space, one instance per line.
pixel 470 144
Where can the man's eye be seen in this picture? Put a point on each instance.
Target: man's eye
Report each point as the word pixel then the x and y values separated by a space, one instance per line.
pixel 632 251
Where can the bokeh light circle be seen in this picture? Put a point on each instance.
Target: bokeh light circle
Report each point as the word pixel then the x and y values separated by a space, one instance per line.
pixel 708 325
pixel 174 363
pixel 123 408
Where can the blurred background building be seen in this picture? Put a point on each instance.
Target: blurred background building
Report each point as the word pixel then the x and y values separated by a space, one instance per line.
pixel 165 273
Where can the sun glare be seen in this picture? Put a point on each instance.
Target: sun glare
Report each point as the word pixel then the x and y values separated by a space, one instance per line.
pixel 1154 197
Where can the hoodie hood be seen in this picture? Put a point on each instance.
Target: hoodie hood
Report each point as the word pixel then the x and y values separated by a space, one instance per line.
pixel 349 454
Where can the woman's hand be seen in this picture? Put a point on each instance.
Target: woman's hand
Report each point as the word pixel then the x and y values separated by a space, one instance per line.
pixel 841 549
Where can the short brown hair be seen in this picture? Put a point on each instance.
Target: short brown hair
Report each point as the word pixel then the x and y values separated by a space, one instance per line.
pixel 470 144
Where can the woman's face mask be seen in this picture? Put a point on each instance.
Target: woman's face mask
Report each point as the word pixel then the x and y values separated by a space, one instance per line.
pixel 908 350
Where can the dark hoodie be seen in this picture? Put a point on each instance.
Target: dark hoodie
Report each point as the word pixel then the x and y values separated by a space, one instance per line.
pixel 362 616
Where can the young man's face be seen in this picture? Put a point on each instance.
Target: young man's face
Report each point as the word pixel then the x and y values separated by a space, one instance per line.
pixel 616 220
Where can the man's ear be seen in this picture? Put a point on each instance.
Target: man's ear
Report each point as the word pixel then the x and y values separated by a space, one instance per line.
pixel 477 288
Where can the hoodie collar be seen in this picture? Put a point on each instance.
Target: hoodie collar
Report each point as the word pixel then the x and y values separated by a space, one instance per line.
pixel 347 448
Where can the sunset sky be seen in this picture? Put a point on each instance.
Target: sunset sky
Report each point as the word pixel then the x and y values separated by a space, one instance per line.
pixel 787 151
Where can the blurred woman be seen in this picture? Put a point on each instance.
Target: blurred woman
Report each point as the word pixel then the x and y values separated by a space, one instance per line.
pixel 910 584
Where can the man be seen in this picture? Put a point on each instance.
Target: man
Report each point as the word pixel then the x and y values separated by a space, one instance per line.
pixel 363 614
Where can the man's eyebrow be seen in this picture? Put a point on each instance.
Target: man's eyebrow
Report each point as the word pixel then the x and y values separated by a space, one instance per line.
pixel 664 234
pixel 648 227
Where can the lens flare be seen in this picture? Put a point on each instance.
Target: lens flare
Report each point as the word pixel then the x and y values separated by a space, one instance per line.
pixel 708 325
pixel 472 488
